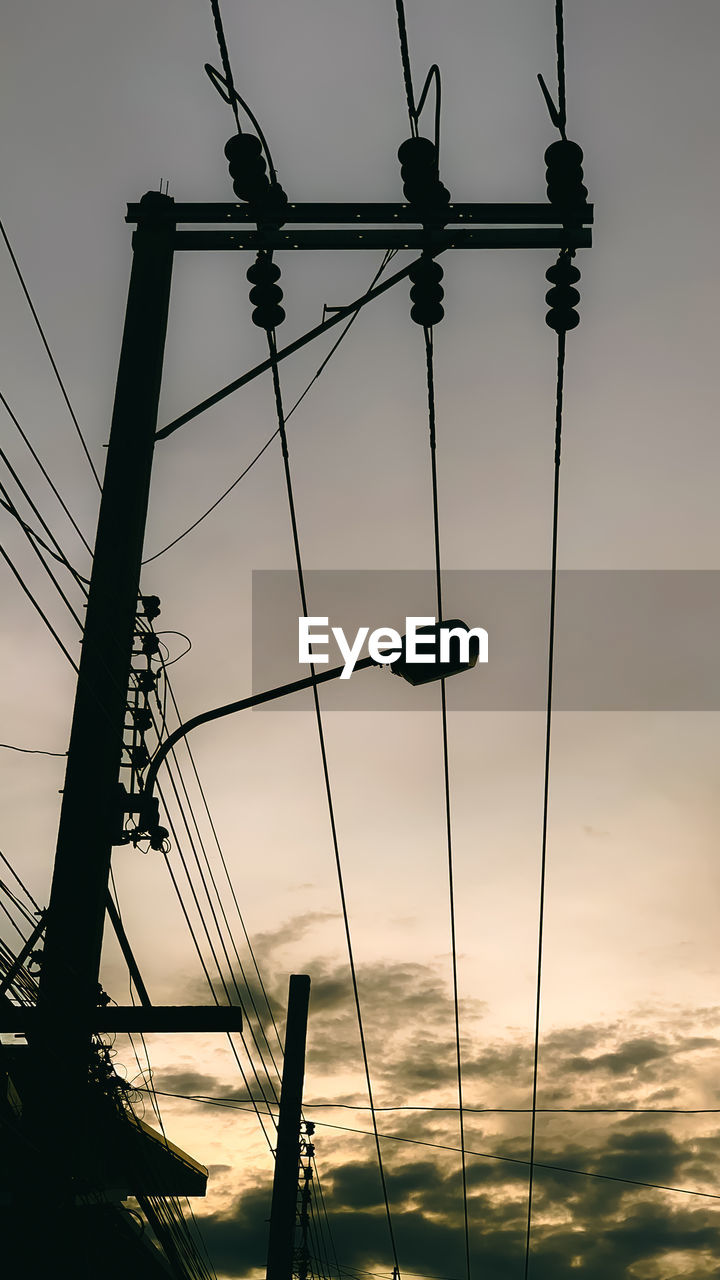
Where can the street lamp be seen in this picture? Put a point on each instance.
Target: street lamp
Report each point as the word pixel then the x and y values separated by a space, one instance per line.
pixel 463 650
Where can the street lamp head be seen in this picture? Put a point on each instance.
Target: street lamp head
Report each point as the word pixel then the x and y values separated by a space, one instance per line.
pixel 440 650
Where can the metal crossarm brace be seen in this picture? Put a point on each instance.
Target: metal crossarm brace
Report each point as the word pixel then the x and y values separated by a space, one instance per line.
pixel 469 226
pixel 135 1018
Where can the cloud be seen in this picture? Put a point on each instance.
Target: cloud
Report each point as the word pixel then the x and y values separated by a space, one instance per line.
pixel 590 1216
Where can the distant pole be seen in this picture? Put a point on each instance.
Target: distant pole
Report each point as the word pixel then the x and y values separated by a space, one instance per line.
pixel 287 1159
pixel 88 818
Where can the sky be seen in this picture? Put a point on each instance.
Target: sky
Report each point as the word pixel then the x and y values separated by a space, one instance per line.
pixel 103 102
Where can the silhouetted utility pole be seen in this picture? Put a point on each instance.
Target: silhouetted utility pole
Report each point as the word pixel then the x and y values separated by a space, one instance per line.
pixel 287 1158
pixel 89 814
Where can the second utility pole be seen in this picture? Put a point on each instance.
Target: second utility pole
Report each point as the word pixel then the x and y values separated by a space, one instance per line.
pixel 287 1158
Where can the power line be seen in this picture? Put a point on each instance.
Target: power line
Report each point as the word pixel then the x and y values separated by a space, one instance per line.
pixel 546 780
pixel 388 258
pixel 483 1155
pixel 406 67
pixel 21 883
pixel 209 942
pixel 429 364
pixel 37 512
pixel 326 776
pixel 47 569
pixel 217 891
pixel 482 1111
pixel 51 358
pixel 225 58
pixel 46 474
pixel 36 606
pixel 30 751
pixel 61 559
pixel 215 921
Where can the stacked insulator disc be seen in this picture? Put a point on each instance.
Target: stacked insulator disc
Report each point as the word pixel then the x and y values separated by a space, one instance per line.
pixel 426 292
pixel 563 297
pixel 565 176
pixel 248 170
pixel 266 293
pixel 421 177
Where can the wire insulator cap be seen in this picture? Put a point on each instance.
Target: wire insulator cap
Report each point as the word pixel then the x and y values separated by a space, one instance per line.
pixel 421 177
pixel 426 292
pixel 265 294
pixel 565 176
pixel 247 166
pixel 563 297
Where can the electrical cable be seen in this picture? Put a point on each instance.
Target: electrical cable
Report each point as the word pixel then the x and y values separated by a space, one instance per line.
pixel 406 68
pixel 429 365
pixel 223 913
pixel 46 527
pixel 30 751
pixel 56 371
pixel 546 781
pixel 225 58
pixel 213 913
pixel 21 883
pixel 560 50
pixel 326 775
pixel 199 952
pixel 35 604
pixel 49 572
pixel 388 258
pixel 169 689
pixel 483 1155
pixel 560 377
pixel 45 473
pixel 13 511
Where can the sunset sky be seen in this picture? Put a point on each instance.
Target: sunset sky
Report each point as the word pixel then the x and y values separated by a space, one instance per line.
pixel 103 102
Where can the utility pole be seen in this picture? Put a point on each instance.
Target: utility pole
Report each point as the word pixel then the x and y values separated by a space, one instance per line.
pixel 89 815
pixel 287 1157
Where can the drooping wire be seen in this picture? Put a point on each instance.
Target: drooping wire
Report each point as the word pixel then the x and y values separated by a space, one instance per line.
pixel 234 1105
pixel 248 987
pixel 218 895
pixel 225 58
pixel 13 511
pixel 200 956
pixel 228 962
pixel 224 865
pixel 46 566
pixel 328 790
pixel 192 840
pixel 63 558
pixel 51 358
pixel 429 365
pixel 388 257
pixel 21 883
pixel 546 783
pixel 210 943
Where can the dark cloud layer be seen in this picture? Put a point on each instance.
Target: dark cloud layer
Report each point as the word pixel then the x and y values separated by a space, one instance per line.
pixel 591 1216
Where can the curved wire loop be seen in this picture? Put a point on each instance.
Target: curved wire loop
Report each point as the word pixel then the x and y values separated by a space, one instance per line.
pixel 230 94
pixel 433 74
